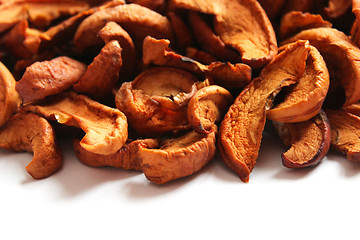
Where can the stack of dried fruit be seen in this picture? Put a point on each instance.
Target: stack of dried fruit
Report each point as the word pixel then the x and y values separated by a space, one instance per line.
pixel 159 86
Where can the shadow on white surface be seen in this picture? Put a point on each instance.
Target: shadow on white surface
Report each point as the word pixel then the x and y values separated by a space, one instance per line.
pixel 349 168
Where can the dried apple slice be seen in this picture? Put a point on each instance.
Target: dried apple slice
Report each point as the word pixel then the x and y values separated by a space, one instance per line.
pixel 46 78
pixel 102 74
pixel 183 35
pixel 178 157
pixel 39 13
pixel 341 54
pixel 32 133
pixel 9 97
pixel 296 21
pixel 200 56
pixel 242 127
pixel 309 141
pixel 345 133
pixel 155 102
pixel 126 158
pixel 105 128
pixel 112 31
pixel 242 25
pixel 355 31
pixel 306 97
pixel 138 21
pixel 156 5
pixel 272 7
pixel 353 109
pixel 208 106
pixel 224 74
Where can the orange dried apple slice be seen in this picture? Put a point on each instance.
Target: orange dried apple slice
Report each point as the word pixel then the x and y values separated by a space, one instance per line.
pixel 242 127
pixel 126 158
pixel 155 102
pixel 105 128
pixel 103 73
pixel 138 21
pixel 306 97
pixel 46 78
pixel 296 21
pixel 32 133
pixel 208 106
pixel 9 97
pixel 242 25
pixel 309 141
pixel 345 133
pixel 178 157
pixel 340 54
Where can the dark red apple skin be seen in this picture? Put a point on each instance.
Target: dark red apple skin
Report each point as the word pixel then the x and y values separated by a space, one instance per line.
pixel 323 150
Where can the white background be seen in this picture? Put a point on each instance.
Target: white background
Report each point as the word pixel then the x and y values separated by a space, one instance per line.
pixel 80 202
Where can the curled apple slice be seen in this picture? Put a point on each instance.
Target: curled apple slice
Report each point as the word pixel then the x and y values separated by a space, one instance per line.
pixel 178 157
pixel 155 102
pixel 309 141
pixel 242 25
pixel 242 127
pixel 126 158
pixel 340 54
pixel 306 97
pixel 138 21
pixel 208 106
pixel 345 132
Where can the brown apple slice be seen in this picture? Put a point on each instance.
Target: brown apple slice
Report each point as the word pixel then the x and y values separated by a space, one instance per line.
pixel 340 54
pixel 178 157
pixel 305 98
pixel 207 106
pixel 242 127
pixel 126 158
pixel 242 25
pixel 155 102
pixel 309 141
pixel 345 133
pixel 106 128
pixel 337 8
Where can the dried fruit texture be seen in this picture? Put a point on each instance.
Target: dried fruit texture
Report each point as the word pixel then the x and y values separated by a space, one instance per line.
pixel 156 5
pixel 155 102
pixel 354 109
pixel 9 98
pixel 272 7
pixel 102 74
pixel 47 78
pixel 242 25
pixel 126 158
pixel 112 31
pixel 208 41
pixel 183 35
pixel 305 98
pixel 105 128
pixel 295 21
pixel 340 54
pixel 178 157
pixel 39 13
pixel 337 8
pixel 32 133
pixel 208 106
pixel 345 133
pixel 138 21
pixel 242 127
pixel 21 40
pixel 309 141
pixel 224 74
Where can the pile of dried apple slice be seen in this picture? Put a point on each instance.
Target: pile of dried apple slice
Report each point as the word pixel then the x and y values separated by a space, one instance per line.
pixel 161 86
